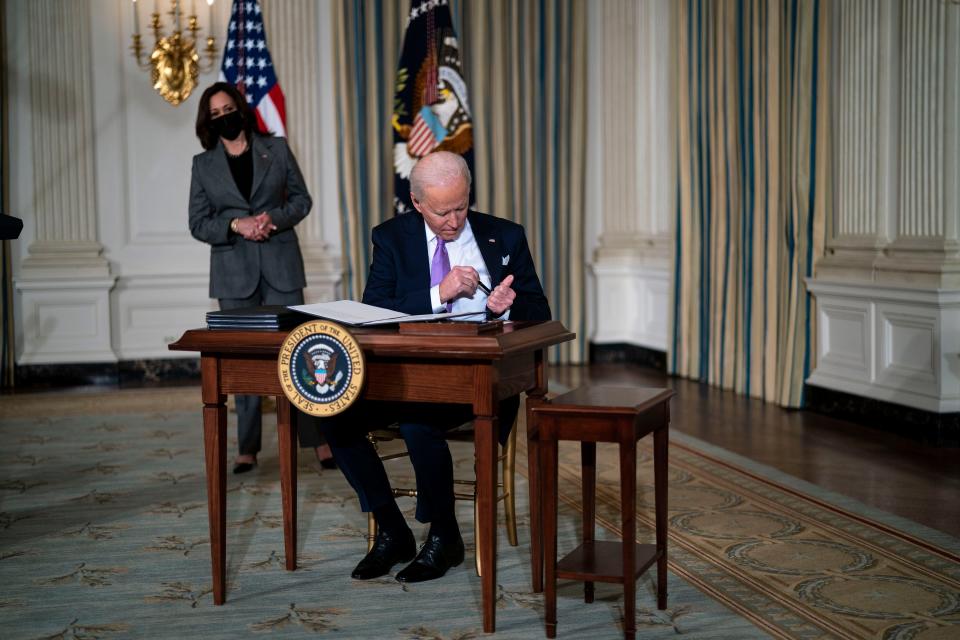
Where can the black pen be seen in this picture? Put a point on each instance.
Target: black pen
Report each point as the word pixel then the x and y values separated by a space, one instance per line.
pixel 483 287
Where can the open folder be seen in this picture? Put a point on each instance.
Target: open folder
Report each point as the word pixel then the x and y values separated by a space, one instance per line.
pixel 358 314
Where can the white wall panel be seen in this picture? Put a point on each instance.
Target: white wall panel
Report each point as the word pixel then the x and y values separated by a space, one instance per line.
pixel 894 344
pixel 632 305
pixel 845 338
pixel 66 325
pixel 907 343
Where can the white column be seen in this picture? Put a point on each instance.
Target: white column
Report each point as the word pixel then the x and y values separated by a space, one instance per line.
pixel 637 181
pixel 865 142
pixel 64 280
pixel 888 292
pixel 926 247
pixel 300 44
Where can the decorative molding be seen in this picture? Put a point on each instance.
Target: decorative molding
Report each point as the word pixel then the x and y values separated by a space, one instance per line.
pixel 894 344
pixel 65 322
pixel 633 303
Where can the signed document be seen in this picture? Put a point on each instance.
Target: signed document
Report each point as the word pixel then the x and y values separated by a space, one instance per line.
pixel 358 314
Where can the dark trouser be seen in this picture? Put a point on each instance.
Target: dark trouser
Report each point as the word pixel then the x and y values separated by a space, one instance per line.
pixel 249 425
pixel 422 426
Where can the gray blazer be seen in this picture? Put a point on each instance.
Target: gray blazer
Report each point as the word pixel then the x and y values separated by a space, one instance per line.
pixel 236 264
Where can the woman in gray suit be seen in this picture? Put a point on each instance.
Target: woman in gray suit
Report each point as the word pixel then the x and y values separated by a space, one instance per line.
pixel 246 197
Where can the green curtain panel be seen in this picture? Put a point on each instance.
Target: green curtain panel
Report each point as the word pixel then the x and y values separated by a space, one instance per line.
pixel 525 68
pixel 752 188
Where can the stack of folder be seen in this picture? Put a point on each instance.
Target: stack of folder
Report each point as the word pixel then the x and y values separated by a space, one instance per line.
pixel 267 318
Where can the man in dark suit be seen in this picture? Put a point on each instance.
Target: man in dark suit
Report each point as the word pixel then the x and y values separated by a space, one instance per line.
pixel 444 257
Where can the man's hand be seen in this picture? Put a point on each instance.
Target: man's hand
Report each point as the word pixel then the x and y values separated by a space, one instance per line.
pixel 502 297
pixel 461 281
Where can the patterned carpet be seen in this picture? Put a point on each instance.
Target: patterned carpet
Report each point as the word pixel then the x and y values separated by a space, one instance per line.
pixel 797 565
pixel 103 534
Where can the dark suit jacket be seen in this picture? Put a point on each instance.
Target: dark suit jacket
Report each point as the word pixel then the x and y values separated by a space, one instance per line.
pixel 10 227
pixel 236 264
pixel 399 276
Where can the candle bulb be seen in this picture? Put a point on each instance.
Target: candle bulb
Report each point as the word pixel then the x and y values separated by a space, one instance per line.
pixel 136 20
pixel 210 22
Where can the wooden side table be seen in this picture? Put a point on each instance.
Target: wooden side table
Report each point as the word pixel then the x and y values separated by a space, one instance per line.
pixel 604 414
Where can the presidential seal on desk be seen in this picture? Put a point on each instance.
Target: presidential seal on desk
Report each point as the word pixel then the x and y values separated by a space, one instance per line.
pixel 321 368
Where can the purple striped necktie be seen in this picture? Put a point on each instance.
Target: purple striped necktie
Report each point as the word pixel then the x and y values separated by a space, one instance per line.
pixel 440 266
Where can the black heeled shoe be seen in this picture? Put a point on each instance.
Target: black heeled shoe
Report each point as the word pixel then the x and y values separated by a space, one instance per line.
pixel 244 467
pixel 325 463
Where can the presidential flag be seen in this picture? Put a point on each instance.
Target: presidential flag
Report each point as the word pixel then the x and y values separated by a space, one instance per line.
pixel 431 111
pixel 247 64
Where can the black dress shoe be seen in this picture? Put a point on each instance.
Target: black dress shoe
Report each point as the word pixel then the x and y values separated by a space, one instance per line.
pixel 328 463
pixel 387 551
pixel 434 559
pixel 243 467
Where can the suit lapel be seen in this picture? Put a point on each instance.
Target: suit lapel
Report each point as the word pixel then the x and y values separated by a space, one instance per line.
pixel 490 245
pixel 221 170
pixel 415 242
pixel 261 164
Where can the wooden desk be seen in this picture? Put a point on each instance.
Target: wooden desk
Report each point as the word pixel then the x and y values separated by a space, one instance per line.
pixel 477 370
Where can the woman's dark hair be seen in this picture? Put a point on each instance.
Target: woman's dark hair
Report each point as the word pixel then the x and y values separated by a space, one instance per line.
pixel 208 139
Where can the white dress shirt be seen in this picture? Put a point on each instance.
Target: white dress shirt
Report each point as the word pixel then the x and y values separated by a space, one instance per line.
pixel 462 252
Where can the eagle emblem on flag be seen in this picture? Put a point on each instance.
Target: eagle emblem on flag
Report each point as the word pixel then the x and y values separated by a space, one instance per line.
pixel 431 106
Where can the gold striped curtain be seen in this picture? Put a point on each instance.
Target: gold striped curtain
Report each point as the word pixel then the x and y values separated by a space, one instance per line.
pixel 525 68
pixel 752 213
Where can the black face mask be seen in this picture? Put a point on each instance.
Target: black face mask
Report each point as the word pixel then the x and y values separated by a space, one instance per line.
pixel 228 126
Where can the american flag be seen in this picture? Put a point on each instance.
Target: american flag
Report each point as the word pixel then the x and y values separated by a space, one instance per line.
pixel 247 64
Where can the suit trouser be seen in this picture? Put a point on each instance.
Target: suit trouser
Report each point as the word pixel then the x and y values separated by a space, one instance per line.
pixel 422 426
pixel 249 421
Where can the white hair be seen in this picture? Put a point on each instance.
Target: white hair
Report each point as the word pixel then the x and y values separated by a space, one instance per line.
pixel 439 167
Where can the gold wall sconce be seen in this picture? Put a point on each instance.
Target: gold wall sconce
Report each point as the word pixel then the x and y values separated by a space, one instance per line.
pixel 174 63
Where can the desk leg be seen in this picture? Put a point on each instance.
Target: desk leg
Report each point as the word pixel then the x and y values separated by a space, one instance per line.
pixel 485 444
pixel 549 454
pixel 534 458
pixel 286 439
pixel 661 439
pixel 215 452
